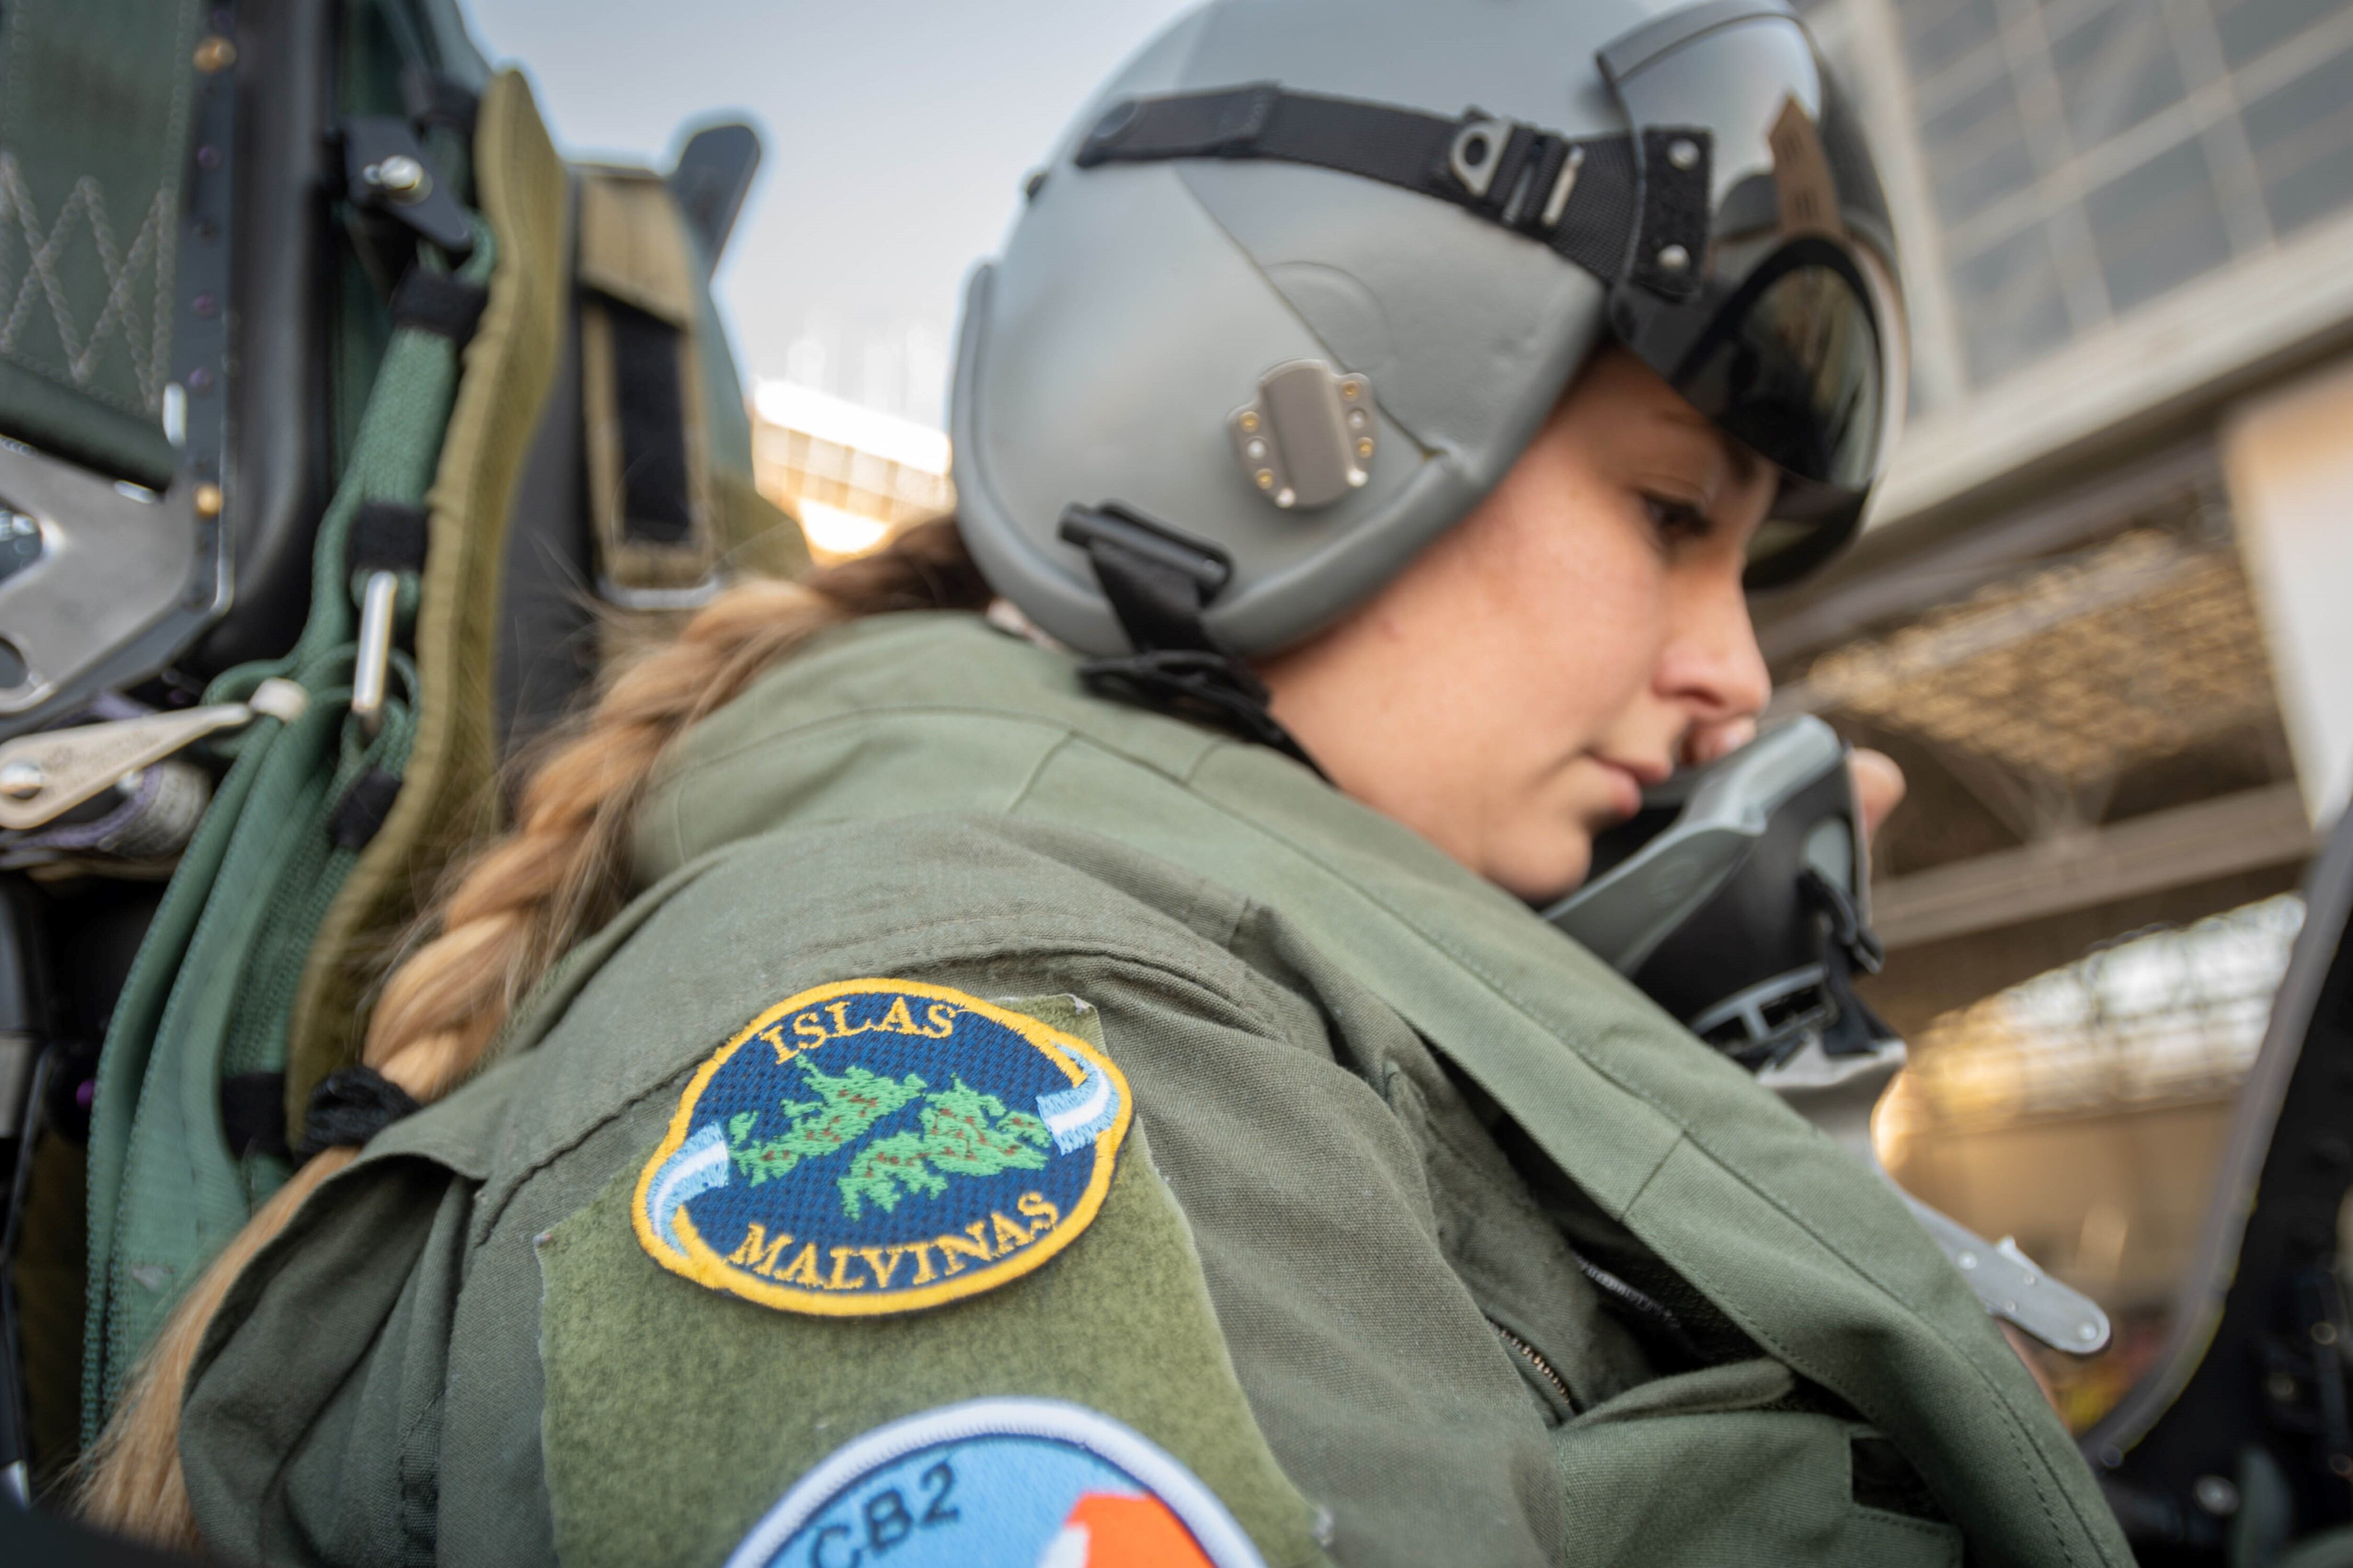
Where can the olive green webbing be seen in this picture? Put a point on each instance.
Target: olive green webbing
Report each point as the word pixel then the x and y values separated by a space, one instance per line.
pixel 510 365
pixel 212 987
pixel 96 102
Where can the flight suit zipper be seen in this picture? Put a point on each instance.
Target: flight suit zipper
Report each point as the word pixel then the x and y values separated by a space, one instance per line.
pixel 1534 1358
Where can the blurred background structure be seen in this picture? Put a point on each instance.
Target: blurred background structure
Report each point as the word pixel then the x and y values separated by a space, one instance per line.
pixel 899 137
pixel 853 475
pixel 2099 614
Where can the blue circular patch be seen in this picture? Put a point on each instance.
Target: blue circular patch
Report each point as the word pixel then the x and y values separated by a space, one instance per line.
pixel 1000 1483
pixel 880 1146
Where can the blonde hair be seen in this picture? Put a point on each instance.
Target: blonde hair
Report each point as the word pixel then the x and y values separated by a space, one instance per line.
pixel 507 914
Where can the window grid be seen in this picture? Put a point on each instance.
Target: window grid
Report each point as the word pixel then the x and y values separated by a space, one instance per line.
pixel 2087 157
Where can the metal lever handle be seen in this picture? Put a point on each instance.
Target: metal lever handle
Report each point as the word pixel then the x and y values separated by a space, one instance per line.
pixel 2014 1288
pixel 1837 1094
pixel 44 775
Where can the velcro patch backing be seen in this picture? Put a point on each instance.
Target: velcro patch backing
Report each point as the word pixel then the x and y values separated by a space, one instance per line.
pixel 878 1146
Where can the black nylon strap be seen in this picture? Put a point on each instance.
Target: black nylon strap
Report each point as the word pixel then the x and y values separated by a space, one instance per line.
pixel 433 99
pixel 1159 606
pixel 359 816
pixel 253 1112
pixel 387 536
pixel 1158 584
pixel 1413 151
pixel 1847 945
pixel 350 1107
pixel 436 302
pixel 1214 689
pixel 650 400
pixel 1158 580
pixel 1675 212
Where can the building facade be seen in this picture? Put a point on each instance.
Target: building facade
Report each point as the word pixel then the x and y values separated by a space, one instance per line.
pixel 2098 610
pixel 851 476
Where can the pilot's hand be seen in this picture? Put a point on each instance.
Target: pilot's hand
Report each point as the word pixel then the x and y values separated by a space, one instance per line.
pixel 1878 788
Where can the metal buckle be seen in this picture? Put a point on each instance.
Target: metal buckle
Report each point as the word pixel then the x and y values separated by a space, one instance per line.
pixel 44 775
pixel 2013 1287
pixel 116 561
pixel 1564 186
pixel 1477 153
pixel 1497 160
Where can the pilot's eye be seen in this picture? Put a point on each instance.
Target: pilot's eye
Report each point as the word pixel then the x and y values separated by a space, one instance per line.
pixel 1677 522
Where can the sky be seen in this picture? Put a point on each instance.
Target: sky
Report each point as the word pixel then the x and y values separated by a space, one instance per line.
pixel 898 133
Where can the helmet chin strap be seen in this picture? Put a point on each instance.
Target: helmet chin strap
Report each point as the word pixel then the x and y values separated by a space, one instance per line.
pixel 1158 584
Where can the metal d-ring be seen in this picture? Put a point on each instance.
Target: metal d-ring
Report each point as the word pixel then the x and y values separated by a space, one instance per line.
pixel 1491 137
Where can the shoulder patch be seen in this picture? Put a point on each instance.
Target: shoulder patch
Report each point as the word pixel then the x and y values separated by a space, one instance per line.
pixel 1000 1483
pixel 877 1146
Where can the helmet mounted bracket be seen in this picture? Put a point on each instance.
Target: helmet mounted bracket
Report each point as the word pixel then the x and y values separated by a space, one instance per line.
pixel 1307 439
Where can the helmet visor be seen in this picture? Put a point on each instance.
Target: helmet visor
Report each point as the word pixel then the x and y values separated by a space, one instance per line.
pixel 1786 332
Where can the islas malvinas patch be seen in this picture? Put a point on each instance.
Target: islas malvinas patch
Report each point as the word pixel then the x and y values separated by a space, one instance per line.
pixel 878 1146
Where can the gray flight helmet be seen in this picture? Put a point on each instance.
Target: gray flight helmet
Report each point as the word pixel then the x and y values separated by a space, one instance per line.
pixel 1307 374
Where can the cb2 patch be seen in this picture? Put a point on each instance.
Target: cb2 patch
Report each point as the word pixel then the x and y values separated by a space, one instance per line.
pixel 1000 1483
pixel 879 1146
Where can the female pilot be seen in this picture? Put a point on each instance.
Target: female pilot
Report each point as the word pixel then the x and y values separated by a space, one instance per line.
pixel 1033 1048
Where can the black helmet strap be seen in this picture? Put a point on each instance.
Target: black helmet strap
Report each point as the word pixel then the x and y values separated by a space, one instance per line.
pixel 1581 198
pixel 1158 582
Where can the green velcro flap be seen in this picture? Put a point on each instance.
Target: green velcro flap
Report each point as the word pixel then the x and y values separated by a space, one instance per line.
pixel 633 245
pixel 510 364
pixel 644 391
pixel 676 1415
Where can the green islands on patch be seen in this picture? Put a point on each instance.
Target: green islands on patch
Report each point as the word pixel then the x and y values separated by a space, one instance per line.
pixel 965 1132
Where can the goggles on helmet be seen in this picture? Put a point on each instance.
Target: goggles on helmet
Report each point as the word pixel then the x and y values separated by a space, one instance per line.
pixel 1786 327
pixel 1738 224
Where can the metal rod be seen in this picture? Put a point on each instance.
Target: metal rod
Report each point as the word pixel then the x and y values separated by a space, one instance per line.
pixel 379 601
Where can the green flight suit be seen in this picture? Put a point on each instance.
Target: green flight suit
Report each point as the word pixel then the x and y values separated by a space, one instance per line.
pixel 1431 1241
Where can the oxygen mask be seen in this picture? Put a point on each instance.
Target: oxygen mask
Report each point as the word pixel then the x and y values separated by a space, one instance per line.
pixel 1738 900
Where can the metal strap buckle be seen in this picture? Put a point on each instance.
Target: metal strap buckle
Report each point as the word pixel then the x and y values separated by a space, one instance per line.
pixel 1499 161
pixel 1477 153
pixel 44 775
